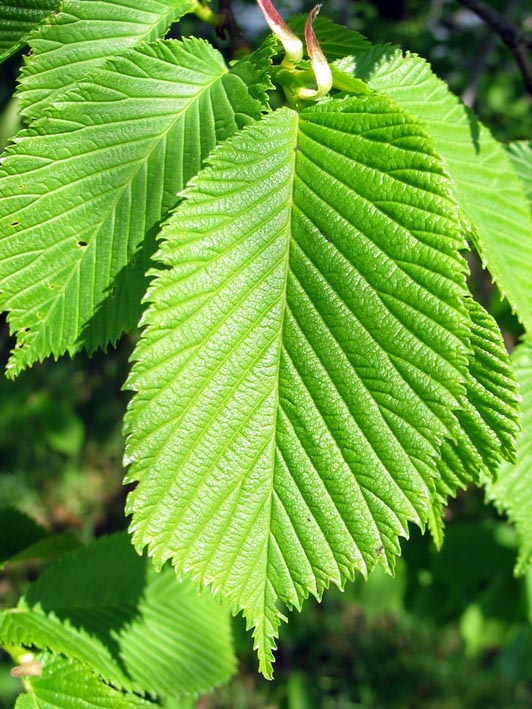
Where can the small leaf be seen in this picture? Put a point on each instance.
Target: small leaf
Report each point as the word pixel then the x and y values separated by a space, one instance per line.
pixel 18 18
pixel 511 492
pixel 306 343
pixel 82 37
pixel 484 181
pixel 84 189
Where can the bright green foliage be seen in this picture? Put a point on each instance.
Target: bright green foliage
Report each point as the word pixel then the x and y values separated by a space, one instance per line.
pixel 521 156
pixel 512 491
pixel 82 37
pixel 67 684
pixel 313 375
pixel 18 18
pixel 85 188
pixel 114 616
pixel 305 346
pixel 489 420
pixel 484 182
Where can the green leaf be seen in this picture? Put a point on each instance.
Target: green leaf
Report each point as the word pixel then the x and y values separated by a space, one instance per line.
pixel 305 344
pixel 107 608
pixel 21 538
pixel 489 414
pixel 82 37
pixel 484 181
pixel 511 492
pixel 18 18
pixel 488 417
pixel 335 40
pixel 520 154
pixel 84 190
pixel 67 684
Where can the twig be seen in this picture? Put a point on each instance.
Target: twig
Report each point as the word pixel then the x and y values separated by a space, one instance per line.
pixel 229 27
pixel 514 38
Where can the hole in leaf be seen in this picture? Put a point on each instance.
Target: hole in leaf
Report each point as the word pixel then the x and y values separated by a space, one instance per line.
pixel 15 223
pixel 52 286
pixel 113 291
pixel 82 243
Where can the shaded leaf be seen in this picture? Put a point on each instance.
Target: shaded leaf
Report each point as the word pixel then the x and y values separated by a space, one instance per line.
pixel 84 190
pixel 21 538
pixel 511 492
pixel 109 610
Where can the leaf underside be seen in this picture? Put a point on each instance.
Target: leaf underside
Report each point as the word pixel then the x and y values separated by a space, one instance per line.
pixel 17 20
pixel 82 37
pixel 305 345
pixel 511 492
pixel 484 182
pixel 84 190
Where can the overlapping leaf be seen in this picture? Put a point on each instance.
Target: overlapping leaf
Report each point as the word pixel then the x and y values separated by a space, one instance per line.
pixel 488 417
pixel 306 343
pixel 484 181
pixel 68 684
pixel 511 492
pixel 18 18
pixel 83 36
pixel 489 413
pixel 521 156
pixel 85 188
pixel 110 612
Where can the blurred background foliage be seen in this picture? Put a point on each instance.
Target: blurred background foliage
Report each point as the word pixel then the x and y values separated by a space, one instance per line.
pixel 452 629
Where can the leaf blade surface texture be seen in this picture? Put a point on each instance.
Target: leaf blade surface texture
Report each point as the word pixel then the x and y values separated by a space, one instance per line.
pixel 18 18
pixel 83 36
pixel 308 307
pixel 484 181
pixel 86 187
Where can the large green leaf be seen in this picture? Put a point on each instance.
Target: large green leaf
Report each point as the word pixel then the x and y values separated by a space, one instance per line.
pixel 84 189
pixel 305 344
pixel 484 182
pixel 83 36
pixel 512 491
pixel 18 18
pixel 108 609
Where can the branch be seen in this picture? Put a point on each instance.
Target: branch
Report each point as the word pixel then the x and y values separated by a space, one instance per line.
pixel 514 38
pixel 229 26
